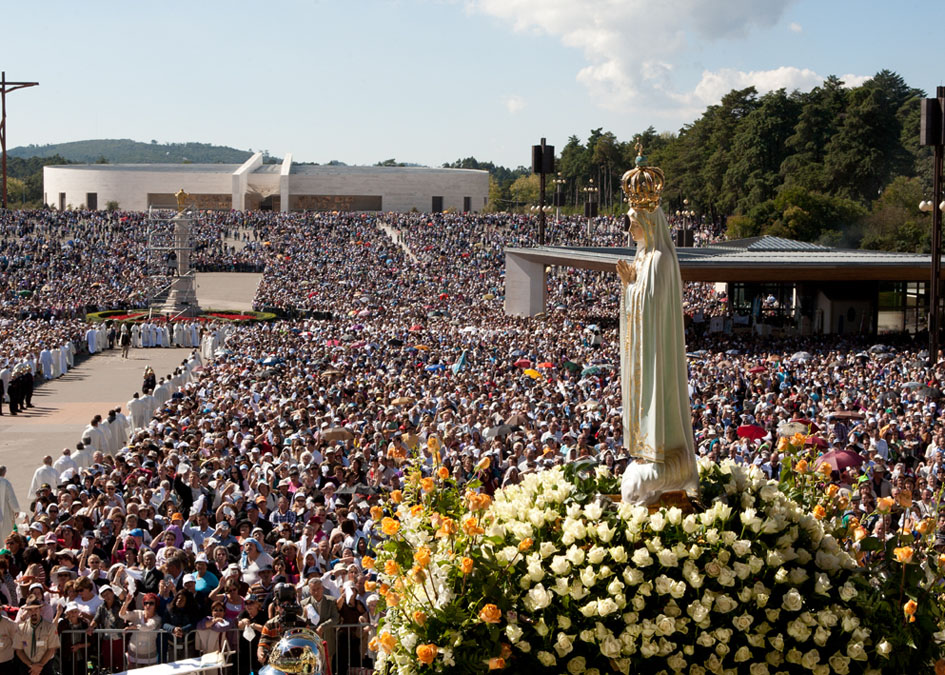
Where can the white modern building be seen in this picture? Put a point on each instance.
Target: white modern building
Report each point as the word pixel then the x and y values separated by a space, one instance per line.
pixel 276 187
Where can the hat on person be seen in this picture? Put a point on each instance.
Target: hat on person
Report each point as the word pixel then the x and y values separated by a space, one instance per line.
pixel 201 558
pixel 63 570
pixel 35 585
pixel 51 538
pixel 189 579
pixel 72 607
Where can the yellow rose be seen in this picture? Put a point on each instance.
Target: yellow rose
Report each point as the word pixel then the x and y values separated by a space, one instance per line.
pixel 832 490
pixel 496 663
pixel 819 512
pixel 422 556
pixel 370 586
pixel 386 641
pixel 426 485
pixel 419 618
pixel 904 554
pixel 525 544
pixel 884 504
pixel 466 565
pixel 367 562
pixel 426 653
pixel 397 496
pixel 909 610
pixel 443 473
pixel 391 567
pixel 801 466
pixel 490 614
pixel 447 528
pixel 392 599
pixel 905 499
pixel 390 527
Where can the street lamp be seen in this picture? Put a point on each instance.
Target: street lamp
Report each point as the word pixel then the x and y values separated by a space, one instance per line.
pixel 558 181
pixel 590 204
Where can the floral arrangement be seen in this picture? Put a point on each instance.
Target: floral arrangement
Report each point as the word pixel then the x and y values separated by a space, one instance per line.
pixel 552 575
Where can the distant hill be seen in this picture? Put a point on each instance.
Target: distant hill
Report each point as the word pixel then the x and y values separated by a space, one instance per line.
pixel 125 151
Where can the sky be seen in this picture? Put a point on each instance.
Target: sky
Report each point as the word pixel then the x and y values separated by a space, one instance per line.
pixel 430 81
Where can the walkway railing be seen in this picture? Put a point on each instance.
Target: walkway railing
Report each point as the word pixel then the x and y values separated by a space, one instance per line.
pixel 101 652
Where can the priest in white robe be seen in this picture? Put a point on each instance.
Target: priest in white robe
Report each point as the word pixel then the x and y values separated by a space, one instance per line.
pixel 9 506
pixel 46 363
pixel 138 410
pixel 44 474
pixel 91 338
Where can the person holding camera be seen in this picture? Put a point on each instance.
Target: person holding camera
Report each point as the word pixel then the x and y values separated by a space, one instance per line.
pixel 288 615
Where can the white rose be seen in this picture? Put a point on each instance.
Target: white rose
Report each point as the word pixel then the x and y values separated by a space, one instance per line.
pixel 742 654
pixel 593 511
pixel 856 651
pixel 590 609
pixel 564 622
pixel 742 547
pixel 725 604
pixel 606 606
pixel 678 590
pixel 884 649
pixel 792 601
pixel 793 656
pixel 840 663
pixel 560 565
pixel 712 536
pixel 758 669
pixel 563 644
pixel 657 521
pixel 847 592
pixel 547 659
pixel 676 662
pixel 810 659
pixel 578 592
pixel 743 622
pixel 756 564
pixel 638 603
pixel 546 548
pixel 575 555
pixel 542 628
pixel 777 642
pixel 689 524
pixel 665 625
pixel 535 571
pixel 513 632
pixel 596 555
pixel 537 598
pixel 619 554
pixel 803 557
pixel 697 611
pixel 726 577
pixel 632 576
pixel 577 665
pixel 605 532
pixel 798 576
pixel 674 515
pixel 713 569
pixel 667 558
pixel 586 635
pixel 562 586
pixel 588 576
pixel 615 587
pixel 827 561
pixel 663 584
pixel 641 558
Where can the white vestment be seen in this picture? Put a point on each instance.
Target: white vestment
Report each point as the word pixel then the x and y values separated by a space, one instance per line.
pixel 46 363
pixel 9 508
pixel 138 410
pixel 44 474
pixel 90 337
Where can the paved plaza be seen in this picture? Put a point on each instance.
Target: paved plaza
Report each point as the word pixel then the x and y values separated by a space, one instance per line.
pixel 64 407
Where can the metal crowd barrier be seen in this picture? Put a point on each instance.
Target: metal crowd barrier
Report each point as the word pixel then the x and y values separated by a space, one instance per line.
pixel 103 652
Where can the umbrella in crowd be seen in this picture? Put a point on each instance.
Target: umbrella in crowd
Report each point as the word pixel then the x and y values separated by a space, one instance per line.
pixel 518 419
pixel 817 441
pixel 502 430
pixel 522 363
pixel 337 434
pixel 403 400
pixel 757 369
pixel 751 431
pixel 532 373
pixel 788 429
pixel 840 460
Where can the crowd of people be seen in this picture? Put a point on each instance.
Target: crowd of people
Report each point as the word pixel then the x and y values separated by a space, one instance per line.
pixel 245 495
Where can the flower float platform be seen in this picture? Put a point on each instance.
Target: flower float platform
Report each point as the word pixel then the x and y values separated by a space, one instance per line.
pixel 551 576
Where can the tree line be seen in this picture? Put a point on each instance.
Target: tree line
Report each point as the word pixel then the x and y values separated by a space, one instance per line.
pixel 836 165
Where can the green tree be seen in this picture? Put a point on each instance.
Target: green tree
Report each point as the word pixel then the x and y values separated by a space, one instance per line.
pixel 799 213
pixel 818 121
pixel 524 191
pixel 895 222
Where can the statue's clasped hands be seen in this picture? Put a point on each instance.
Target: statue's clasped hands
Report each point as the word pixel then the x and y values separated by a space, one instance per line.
pixel 627 272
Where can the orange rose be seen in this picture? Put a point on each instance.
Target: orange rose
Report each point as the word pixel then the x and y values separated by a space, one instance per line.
pixel 905 499
pixel 419 618
pixel 426 653
pixel 418 574
pixel 884 504
pixel 442 473
pixel 466 565
pixel 940 667
pixel 832 490
pixel 416 510
pixel 383 589
pixel 496 663
pixel 922 527
pixel 396 496
pixel 909 609
pixel 484 463
pixel 426 485
pixel 860 533
pixel 392 599
pixel 783 444
pixel 825 469
pixel 490 614
pixel 422 556
pixel 525 544
pixel 843 503
pixel 376 513
pixel 370 586
pixel 904 554
pixel 819 512
pixel 801 466
pixel 447 527
pixel 941 560
pixel 373 645
pixel 391 567
pixel 386 641
pixel 798 440
pixel 390 527
pixel 471 527
pixel 367 562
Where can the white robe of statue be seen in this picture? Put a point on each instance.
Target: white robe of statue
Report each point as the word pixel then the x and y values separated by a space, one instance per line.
pixel 657 426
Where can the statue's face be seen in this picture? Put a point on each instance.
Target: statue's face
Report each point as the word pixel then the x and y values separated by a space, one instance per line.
pixel 636 230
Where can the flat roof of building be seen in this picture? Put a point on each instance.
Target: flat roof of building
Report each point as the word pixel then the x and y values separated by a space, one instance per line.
pixel 757 259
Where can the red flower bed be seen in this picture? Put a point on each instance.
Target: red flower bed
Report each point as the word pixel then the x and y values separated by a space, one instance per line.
pixel 231 317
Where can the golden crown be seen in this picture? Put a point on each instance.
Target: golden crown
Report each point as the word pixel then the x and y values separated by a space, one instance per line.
pixel 642 184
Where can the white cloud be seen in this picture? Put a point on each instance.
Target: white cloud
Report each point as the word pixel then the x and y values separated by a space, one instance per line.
pixel 629 44
pixel 796 27
pixel 714 85
pixel 514 104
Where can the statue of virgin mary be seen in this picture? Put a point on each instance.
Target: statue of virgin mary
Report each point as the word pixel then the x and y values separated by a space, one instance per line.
pixel 657 425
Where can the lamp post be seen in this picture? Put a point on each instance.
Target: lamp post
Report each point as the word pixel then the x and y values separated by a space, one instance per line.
pixel 559 182
pixel 6 88
pixel 590 204
pixel 932 132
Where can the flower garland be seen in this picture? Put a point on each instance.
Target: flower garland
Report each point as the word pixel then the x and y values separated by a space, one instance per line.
pixel 551 575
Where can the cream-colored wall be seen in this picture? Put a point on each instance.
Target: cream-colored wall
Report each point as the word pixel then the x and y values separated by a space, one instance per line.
pixel 401 188
pixel 129 188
